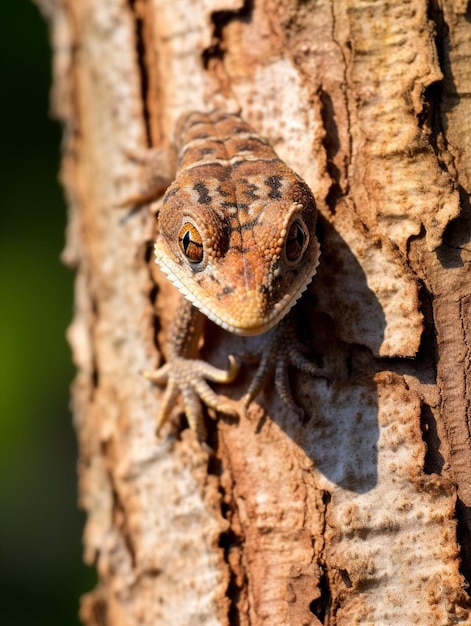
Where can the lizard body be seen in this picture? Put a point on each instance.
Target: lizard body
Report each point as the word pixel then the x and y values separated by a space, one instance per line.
pixel 236 237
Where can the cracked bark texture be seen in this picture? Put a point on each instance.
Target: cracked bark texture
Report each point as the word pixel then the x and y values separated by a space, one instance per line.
pixel 360 515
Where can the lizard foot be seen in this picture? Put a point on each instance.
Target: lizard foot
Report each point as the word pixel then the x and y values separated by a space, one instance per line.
pixel 157 169
pixel 188 377
pixel 281 350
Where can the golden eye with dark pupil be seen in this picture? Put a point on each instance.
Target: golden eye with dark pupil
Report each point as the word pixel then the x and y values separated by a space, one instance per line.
pixel 296 241
pixel 191 243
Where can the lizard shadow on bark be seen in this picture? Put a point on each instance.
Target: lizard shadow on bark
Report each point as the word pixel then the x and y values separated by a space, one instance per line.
pixel 339 431
pixel 343 321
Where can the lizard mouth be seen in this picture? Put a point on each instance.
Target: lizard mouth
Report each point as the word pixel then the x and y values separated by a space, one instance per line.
pixel 259 325
pixel 247 314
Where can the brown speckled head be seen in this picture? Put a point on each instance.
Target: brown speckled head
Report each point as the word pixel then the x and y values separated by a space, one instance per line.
pixel 236 228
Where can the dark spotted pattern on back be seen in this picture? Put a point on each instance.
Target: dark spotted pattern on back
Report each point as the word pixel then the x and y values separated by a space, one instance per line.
pixel 203 193
pixel 232 187
pixel 274 183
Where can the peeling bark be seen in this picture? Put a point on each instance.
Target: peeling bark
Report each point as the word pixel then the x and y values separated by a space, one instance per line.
pixel 362 514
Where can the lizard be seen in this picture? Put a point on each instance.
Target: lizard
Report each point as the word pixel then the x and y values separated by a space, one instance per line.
pixel 236 236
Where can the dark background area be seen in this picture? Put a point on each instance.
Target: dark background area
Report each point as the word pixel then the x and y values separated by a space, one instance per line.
pixel 41 574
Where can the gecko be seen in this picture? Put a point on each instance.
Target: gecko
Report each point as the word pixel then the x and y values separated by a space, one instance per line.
pixel 236 236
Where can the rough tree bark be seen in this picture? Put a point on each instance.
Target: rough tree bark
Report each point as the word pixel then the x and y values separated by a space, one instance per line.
pixel 360 515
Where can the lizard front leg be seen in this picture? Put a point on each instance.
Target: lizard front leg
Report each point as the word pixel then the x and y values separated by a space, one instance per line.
pixel 280 351
pixel 187 375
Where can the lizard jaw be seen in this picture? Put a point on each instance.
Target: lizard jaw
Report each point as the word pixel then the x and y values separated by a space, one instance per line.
pixel 257 324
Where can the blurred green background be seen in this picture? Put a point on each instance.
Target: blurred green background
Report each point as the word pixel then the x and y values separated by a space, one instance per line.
pixel 41 574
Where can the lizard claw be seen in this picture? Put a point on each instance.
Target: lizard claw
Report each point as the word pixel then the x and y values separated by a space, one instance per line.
pixel 281 350
pixel 188 377
pixel 156 172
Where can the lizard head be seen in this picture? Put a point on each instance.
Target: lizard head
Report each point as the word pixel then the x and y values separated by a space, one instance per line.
pixel 243 264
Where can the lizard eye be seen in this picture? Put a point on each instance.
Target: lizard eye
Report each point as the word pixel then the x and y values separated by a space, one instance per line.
pixel 191 243
pixel 296 241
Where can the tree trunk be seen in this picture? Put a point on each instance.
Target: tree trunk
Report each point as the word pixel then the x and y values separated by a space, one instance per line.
pixel 361 514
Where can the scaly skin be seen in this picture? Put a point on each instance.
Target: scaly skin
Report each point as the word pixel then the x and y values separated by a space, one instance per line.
pixel 236 237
